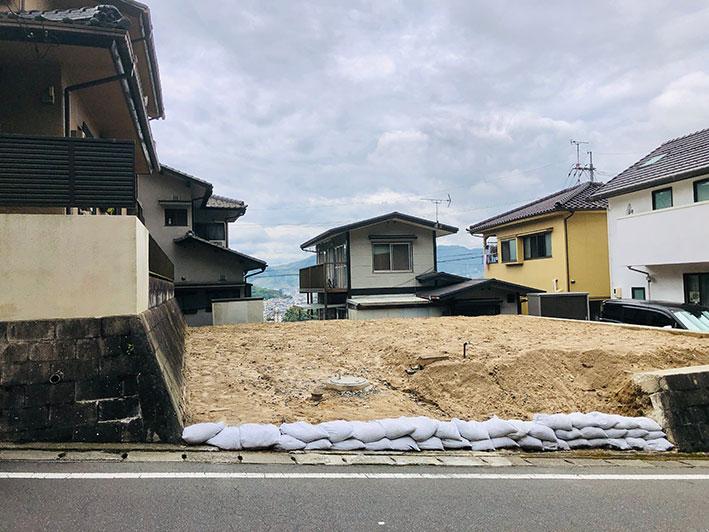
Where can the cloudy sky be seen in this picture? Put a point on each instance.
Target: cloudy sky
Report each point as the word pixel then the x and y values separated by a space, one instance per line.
pixel 322 113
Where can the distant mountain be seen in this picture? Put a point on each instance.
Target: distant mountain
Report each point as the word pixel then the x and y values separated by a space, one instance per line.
pixel 459 260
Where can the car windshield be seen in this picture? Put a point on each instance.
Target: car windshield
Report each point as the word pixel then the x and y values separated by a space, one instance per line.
pixel 694 321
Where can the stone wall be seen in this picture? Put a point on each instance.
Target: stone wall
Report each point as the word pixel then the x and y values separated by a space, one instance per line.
pixel 106 379
pixel 680 402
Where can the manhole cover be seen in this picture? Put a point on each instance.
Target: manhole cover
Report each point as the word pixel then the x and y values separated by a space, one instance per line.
pixel 347 383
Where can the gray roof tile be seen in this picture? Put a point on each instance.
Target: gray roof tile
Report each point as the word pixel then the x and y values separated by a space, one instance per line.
pixel 222 202
pixel 681 158
pixel 574 198
pixel 104 16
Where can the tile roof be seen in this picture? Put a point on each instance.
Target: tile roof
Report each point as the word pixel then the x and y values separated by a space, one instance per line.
pixel 102 16
pixel 392 216
pixel 191 237
pixel 681 158
pixel 222 202
pixel 455 289
pixel 576 198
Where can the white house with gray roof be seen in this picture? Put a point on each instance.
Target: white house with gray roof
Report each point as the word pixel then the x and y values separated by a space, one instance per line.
pixel 658 223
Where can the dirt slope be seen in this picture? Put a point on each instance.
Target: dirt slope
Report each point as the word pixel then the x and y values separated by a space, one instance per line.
pixel 516 366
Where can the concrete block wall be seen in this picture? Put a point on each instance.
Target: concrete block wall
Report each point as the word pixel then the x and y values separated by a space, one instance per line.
pixel 90 379
pixel 680 402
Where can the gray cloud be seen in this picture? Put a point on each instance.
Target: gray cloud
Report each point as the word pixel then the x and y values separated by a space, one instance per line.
pixel 318 113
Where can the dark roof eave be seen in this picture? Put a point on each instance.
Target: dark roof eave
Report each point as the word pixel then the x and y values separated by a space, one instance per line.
pixel 455 289
pixel 260 264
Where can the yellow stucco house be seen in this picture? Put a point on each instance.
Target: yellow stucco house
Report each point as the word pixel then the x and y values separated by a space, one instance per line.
pixel 558 243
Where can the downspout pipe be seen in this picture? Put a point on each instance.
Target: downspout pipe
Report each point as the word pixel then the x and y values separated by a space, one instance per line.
pixel 566 246
pixel 648 279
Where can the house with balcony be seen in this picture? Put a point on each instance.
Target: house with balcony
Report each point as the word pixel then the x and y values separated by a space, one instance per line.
pixel 658 223
pixel 191 224
pixel 555 244
pixel 386 267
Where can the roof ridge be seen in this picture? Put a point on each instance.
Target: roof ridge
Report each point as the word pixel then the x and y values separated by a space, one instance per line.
pixel 706 129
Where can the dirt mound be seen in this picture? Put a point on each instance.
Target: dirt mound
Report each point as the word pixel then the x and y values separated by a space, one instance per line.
pixel 516 366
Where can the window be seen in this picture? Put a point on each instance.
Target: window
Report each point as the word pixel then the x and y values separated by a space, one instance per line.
pixel 509 250
pixel 696 288
pixel 210 231
pixel 537 246
pixel 662 199
pixel 637 292
pixel 392 257
pixel 701 190
pixel 641 316
pixel 176 217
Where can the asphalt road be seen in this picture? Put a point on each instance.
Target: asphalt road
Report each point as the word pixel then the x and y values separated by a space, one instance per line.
pixel 243 497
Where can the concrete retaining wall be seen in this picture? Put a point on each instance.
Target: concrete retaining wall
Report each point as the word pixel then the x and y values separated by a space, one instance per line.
pixel 108 379
pixel 680 401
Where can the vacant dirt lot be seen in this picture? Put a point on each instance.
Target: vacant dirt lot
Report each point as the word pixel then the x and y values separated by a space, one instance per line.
pixel 516 366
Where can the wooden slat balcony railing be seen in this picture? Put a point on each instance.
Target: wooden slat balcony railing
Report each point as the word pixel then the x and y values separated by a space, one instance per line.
pixel 325 277
pixel 67 172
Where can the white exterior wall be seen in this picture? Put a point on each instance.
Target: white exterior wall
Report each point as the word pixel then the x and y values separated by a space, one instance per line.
pixel 667 242
pixel 424 311
pixel 58 266
pixel 238 311
pixel 361 261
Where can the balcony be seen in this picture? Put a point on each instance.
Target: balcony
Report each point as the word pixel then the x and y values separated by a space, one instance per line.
pixel 326 277
pixel 677 235
pixel 67 172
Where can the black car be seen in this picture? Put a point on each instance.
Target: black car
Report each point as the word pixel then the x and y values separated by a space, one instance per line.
pixel 656 314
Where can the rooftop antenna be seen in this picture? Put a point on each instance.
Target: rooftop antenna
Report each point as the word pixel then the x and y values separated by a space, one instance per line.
pixel 438 201
pixel 578 169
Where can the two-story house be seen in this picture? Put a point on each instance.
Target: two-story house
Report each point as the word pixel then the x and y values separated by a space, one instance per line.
pixel 557 243
pixel 658 223
pixel 386 267
pixel 191 224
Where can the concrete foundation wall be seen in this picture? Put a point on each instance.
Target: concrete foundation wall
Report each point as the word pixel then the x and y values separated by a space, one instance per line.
pixel 680 402
pixel 245 310
pixel 422 311
pixel 107 379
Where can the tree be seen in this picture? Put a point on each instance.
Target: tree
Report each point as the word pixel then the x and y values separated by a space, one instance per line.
pixel 295 314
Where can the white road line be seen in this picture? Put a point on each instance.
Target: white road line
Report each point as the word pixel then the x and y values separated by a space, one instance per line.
pixel 330 476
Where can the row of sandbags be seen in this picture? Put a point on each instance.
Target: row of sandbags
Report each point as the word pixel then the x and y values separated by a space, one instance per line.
pixel 544 433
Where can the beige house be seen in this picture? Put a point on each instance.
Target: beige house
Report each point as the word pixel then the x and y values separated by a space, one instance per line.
pixel 386 267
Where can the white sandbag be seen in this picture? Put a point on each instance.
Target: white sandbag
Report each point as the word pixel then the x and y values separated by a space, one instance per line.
pixel 337 430
pixel 577 443
pixel 618 443
pixel 550 445
pixel 303 431
pixel 431 444
pixel 405 443
pixel 228 439
pixel 542 432
pixel 498 428
pixel 648 424
pixel 319 445
pixel 626 423
pixel 462 443
pixel 528 443
pixel 568 435
pixel 201 432
pixel 472 430
pixel 503 442
pixel 636 443
pixel 554 421
pixel 614 434
pixel 259 435
pixel 348 445
pixel 637 433
pixel 655 435
pixel 289 443
pixel 659 444
pixel 447 430
pixel 380 445
pixel 597 443
pixel 367 431
pixel 482 445
pixel 424 429
pixel 591 433
pixel 522 428
pixel 563 445
pixel 603 421
pixel 397 427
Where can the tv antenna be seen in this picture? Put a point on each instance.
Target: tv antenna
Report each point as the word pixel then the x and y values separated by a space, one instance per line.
pixel 578 169
pixel 438 201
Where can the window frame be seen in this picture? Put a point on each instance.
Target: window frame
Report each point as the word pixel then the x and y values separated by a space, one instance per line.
pixel 695 188
pixel 183 209
pixel 632 293
pixel 654 198
pixel 507 260
pixel 391 256
pixel 537 235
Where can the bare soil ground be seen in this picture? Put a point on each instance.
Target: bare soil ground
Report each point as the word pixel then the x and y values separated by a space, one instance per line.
pixel 516 366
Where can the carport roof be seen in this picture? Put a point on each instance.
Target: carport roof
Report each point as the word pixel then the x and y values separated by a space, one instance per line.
pixel 453 290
